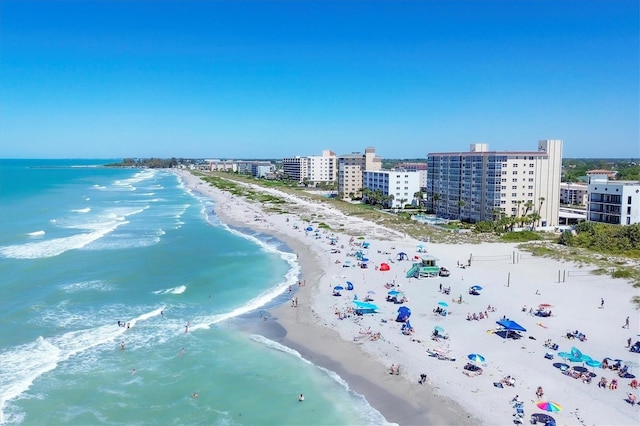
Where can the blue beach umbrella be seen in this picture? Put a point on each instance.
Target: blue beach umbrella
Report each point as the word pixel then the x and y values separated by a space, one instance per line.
pixel 438 329
pixel 338 288
pixel 393 293
pixel 476 287
pixel 445 304
pixel 309 228
pixel 477 358
pixel 365 305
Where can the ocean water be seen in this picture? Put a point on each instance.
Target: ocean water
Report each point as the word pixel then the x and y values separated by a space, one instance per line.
pixel 83 247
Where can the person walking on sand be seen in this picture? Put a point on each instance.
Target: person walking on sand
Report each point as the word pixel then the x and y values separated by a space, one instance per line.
pixel 601 303
pixel 626 323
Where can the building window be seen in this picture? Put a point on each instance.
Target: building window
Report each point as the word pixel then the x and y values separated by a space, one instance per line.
pixel 530 172
pixel 629 200
pixel 513 194
pixel 514 187
pixel 515 172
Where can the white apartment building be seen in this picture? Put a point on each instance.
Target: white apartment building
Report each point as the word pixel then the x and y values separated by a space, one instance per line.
pixel 322 168
pixel 415 167
pixel 475 185
pixel 313 169
pixel 351 168
pixel 402 185
pixel 222 165
pixel 574 193
pixel 616 202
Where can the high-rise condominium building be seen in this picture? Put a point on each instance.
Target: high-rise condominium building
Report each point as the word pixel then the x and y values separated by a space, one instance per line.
pixel 478 184
pixel 350 169
pixel 313 169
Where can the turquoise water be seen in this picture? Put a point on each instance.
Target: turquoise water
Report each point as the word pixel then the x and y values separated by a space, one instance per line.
pixel 83 247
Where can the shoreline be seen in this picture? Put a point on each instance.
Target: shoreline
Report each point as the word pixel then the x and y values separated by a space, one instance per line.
pixel 398 400
pixel 346 347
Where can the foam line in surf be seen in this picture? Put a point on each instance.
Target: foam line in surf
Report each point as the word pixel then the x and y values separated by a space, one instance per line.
pixel 22 365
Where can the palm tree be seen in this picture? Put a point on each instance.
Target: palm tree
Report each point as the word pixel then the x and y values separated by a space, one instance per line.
pixel 434 200
pixel 402 202
pixel 534 218
pixel 528 206
pixel 461 205
pixel 541 200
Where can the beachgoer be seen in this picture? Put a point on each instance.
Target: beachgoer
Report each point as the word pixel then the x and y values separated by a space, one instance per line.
pixel 301 398
pixel 601 303
pixel 423 379
pixel 122 346
pixel 626 323
pixel 195 395
pixel 161 313
pixel 181 352
pixel 133 371
pixel 296 299
pixel 118 323
pixel 629 342
pixel 539 392
pixel 186 328
pixel 632 399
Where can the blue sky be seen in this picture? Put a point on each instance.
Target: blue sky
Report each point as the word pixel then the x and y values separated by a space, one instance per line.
pixel 259 79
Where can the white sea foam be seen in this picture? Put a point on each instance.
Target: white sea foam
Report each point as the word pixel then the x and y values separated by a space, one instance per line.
pixel 174 290
pixel 57 246
pixel 85 210
pixel 98 285
pixel 22 365
pixel 36 233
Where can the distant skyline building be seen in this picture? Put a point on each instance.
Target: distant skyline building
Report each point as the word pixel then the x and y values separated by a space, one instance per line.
pixel 312 169
pixel 616 202
pixel 475 185
pixel 351 168
pixel 574 193
pixel 400 184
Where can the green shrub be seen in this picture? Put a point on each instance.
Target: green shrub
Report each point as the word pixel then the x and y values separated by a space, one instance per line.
pixel 518 237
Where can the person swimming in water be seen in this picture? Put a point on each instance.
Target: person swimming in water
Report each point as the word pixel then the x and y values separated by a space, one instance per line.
pixel 301 398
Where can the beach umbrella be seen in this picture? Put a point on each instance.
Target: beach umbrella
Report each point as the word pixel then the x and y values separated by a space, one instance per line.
pixel 593 363
pixel 477 358
pixel 403 310
pixel 371 292
pixel 338 288
pixel 511 325
pixel 569 357
pixel 393 293
pixel 365 305
pixel 445 304
pixel 545 305
pixel 549 406
pixel 309 228
pixel 384 267
pixel 476 287
pixel 438 329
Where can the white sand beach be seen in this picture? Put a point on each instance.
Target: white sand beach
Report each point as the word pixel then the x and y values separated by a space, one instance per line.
pixel 325 329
